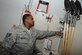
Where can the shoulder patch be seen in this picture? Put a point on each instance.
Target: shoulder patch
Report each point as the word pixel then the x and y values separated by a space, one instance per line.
pixel 8 34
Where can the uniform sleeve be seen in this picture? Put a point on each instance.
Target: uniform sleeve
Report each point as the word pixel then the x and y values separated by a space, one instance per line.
pixel 44 34
pixel 9 41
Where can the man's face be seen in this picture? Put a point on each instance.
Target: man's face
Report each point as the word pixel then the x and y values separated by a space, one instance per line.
pixel 30 21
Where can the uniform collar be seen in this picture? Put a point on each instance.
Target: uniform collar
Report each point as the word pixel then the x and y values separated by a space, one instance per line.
pixel 26 30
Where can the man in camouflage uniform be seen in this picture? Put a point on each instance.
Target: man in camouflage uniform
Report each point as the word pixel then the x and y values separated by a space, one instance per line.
pixel 21 40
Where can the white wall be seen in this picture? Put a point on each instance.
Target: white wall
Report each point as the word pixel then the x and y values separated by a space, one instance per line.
pixel 10 13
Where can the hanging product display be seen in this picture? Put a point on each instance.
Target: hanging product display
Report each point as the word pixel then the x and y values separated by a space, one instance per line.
pixel 79 9
pixel 48 41
pixel 67 5
pixel 78 6
pixel 73 8
pixel 69 27
pixel 43 3
pixel 27 10
pixel 28 7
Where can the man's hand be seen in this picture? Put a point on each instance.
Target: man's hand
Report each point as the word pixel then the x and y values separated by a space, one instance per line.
pixel 59 34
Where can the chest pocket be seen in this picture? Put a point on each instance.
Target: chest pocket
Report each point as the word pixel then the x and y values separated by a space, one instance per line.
pixel 22 38
pixel 26 38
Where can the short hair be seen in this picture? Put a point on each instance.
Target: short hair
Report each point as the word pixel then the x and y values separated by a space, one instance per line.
pixel 25 17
